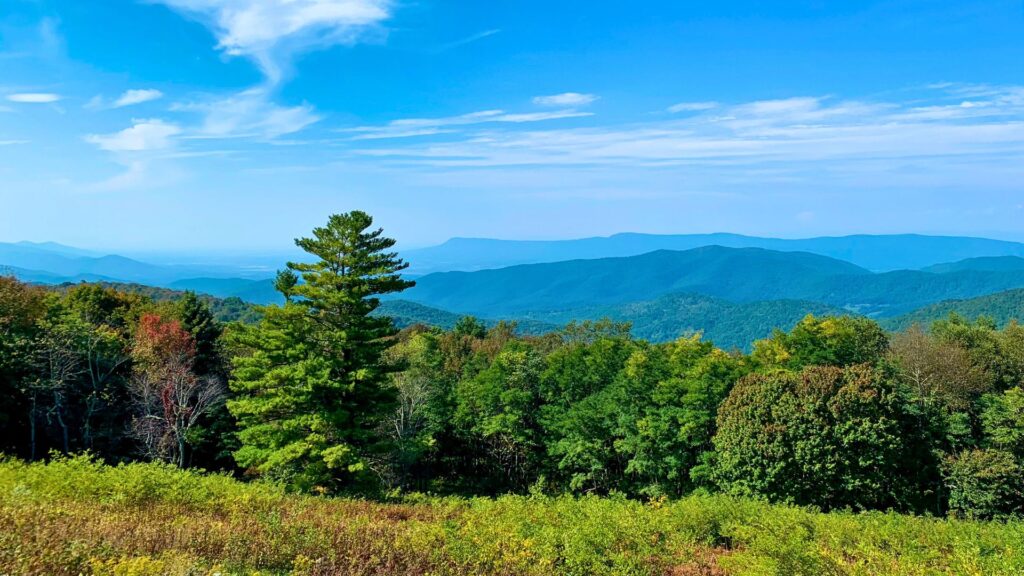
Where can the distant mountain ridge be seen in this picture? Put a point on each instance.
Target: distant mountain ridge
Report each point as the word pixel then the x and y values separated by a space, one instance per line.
pixel 539 291
pixel 980 264
pixel 52 263
pixel 60 249
pixel 738 274
pixel 734 274
pixel 875 252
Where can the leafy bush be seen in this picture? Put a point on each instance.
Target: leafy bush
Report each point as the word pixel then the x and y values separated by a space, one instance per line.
pixel 827 436
pixel 984 484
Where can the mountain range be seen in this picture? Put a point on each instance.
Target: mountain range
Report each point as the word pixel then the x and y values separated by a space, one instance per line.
pixel 734 274
pixel 732 294
pixel 53 263
pixel 738 274
pixel 879 253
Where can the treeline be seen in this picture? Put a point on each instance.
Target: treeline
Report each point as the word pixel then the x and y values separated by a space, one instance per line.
pixel 115 373
pixel 324 397
pixel 224 310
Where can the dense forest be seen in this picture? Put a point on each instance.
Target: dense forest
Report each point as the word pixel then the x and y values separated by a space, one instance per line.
pixel 325 395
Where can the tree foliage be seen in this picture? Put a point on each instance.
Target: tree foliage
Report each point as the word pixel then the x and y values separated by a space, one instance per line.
pixel 327 395
pixel 170 396
pixel 309 381
pixel 829 436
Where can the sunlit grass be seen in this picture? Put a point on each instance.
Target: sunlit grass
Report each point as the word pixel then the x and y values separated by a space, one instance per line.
pixel 75 516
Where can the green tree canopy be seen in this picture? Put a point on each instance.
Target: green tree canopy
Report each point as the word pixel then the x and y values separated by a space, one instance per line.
pixel 828 436
pixel 309 383
pixel 826 341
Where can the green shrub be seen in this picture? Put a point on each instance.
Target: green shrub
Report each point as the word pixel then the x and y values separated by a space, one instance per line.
pixel 826 436
pixel 984 484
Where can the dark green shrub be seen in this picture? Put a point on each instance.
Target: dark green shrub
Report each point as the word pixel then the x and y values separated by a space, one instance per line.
pixel 984 484
pixel 827 436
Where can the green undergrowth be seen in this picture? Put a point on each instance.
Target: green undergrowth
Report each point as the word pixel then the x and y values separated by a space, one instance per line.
pixel 76 516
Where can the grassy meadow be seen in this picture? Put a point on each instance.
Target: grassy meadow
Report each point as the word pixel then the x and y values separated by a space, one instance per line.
pixel 77 516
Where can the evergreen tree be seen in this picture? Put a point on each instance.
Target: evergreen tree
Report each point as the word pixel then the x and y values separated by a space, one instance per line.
pixel 211 440
pixel 197 319
pixel 310 383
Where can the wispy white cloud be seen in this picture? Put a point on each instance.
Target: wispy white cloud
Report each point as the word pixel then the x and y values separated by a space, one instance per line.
pixel 467 40
pixel 251 114
pixel 791 137
pixel 541 116
pixel 34 97
pixel 40 42
pixel 143 135
pixel 135 175
pixel 127 98
pixel 692 107
pixel 271 31
pixel 139 174
pixel 565 99
pixel 410 127
pixel 385 132
pixel 132 97
pixel 143 150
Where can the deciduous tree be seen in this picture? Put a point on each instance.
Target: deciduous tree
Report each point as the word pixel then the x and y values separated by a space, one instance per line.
pixel 169 395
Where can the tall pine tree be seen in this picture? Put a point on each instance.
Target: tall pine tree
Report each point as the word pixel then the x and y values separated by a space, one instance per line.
pixel 310 381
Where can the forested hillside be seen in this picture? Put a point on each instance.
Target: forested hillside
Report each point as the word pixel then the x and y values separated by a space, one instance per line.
pixel 610 445
pixel 478 410
pixel 324 394
pixel 747 274
pixel 1001 309
pixel 729 325
pixel 224 310
pixel 737 275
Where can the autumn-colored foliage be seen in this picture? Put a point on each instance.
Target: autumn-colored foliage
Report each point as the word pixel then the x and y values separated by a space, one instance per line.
pixel 169 395
pixel 159 342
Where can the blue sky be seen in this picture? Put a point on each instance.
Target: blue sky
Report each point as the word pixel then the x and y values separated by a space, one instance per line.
pixel 240 124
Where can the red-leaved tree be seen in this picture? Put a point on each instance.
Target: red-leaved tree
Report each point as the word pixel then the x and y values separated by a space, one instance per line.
pixel 169 396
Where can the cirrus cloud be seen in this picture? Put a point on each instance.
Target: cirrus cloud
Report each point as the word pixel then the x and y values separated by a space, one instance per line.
pixel 931 137
pixel 270 31
pixel 565 99
pixel 132 97
pixel 692 107
pixel 142 135
pixel 34 98
pixel 249 113
pixel 410 127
